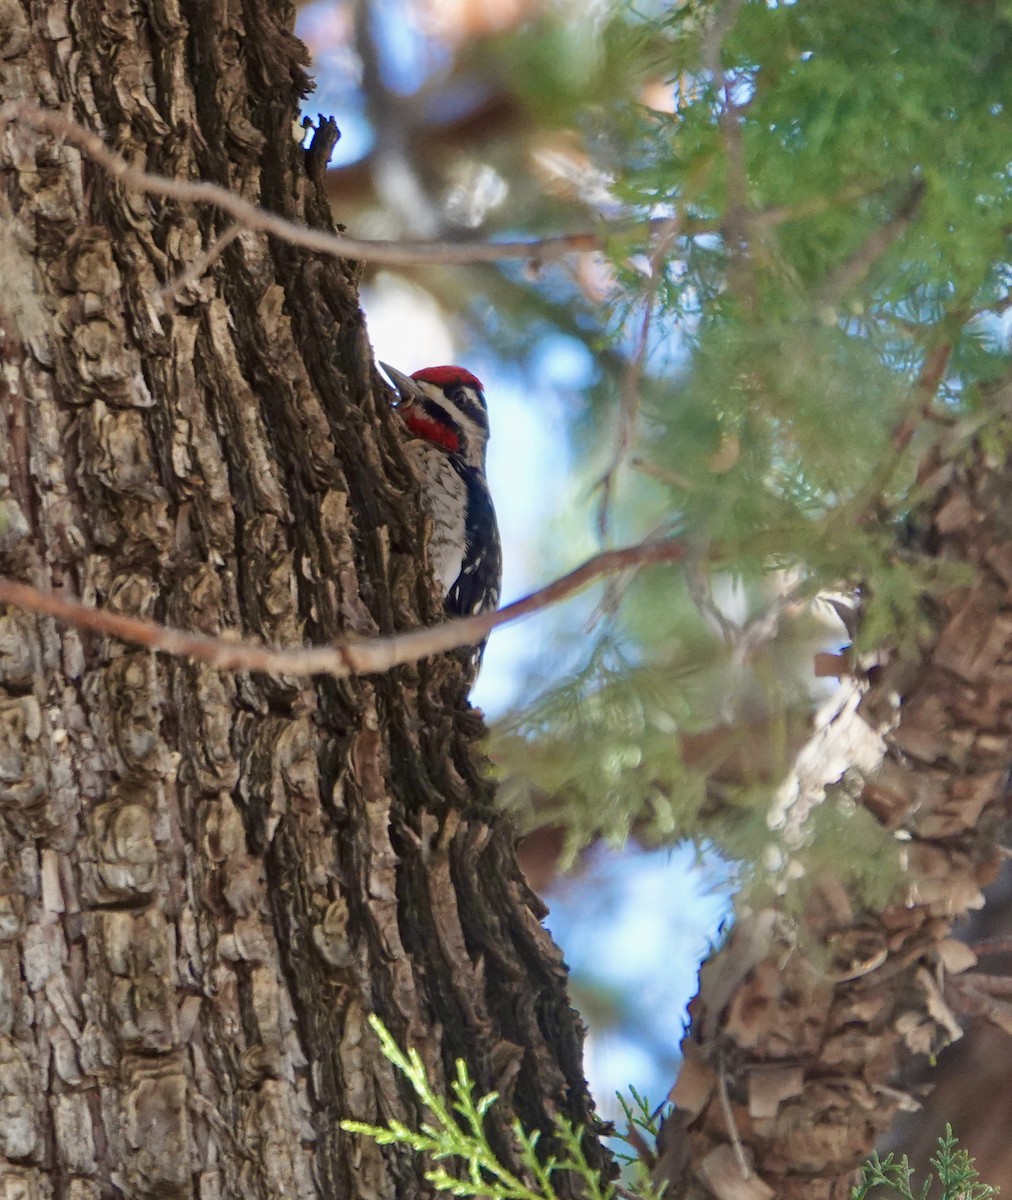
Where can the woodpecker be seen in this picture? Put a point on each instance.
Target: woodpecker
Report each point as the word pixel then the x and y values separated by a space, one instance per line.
pixel 444 407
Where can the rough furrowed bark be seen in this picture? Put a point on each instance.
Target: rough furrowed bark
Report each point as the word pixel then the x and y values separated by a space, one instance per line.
pixel 790 1070
pixel 210 881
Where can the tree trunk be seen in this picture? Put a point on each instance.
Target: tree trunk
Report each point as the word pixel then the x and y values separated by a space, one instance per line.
pixel 970 1085
pixel 799 1029
pixel 209 880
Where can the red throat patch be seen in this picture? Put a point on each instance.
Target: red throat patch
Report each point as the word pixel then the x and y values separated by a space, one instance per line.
pixel 433 431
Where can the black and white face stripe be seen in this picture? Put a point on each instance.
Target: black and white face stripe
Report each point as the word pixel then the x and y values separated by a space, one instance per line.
pixel 463 410
pixel 461 407
pixel 469 402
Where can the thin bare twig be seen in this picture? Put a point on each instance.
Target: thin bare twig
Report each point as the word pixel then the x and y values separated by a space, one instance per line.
pixel 250 216
pixel 995 945
pixel 982 997
pixel 394 253
pixel 849 274
pixel 700 588
pixel 733 229
pixel 781 214
pixel 993 985
pixel 741 279
pixel 929 380
pixel 671 479
pixel 358 657
pixel 629 395
pixel 915 410
pixel 732 1128
pixel 194 272
pixel 721 25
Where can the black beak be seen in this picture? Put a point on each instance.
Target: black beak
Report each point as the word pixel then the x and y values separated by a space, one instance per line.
pixel 407 389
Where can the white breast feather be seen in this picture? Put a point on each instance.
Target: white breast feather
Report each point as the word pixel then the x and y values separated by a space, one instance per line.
pixel 443 496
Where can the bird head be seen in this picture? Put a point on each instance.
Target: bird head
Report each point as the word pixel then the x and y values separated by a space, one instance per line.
pixel 445 406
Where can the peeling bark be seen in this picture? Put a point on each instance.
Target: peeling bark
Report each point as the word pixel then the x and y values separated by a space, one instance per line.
pixel 970 1083
pixel 208 881
pixel 797 1033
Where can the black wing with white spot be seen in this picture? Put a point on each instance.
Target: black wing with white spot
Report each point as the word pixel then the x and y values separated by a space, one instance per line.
pixel 476 589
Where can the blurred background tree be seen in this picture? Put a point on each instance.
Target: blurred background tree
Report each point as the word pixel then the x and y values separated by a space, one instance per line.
pixel 791 267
